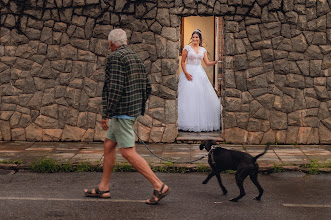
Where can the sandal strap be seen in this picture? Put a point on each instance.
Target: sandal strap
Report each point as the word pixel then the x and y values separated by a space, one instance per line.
pixel 152 200
pixel 157 193
pixel 162 188
pixel 98 191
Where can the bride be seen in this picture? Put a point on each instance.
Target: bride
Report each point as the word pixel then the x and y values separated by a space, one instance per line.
pixel 199 108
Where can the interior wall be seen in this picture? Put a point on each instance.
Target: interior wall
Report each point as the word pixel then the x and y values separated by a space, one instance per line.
pixel 206 25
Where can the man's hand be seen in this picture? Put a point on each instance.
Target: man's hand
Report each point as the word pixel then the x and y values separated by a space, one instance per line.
pixel 104 124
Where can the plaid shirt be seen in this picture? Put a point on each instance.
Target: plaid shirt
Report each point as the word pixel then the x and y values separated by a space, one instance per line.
pixel 126 87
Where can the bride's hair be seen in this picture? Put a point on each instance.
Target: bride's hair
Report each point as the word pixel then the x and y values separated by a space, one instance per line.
pixel 198 32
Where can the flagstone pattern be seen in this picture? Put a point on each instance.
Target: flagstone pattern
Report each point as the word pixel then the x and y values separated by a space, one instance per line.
pixel 276 82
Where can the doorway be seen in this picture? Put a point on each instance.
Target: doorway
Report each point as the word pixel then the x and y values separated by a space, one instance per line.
pixel 212 33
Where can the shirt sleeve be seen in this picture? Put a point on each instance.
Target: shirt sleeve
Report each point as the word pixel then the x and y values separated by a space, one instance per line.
pixel 113 86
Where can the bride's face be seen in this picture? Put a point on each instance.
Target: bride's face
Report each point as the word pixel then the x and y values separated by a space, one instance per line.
pixel 195 39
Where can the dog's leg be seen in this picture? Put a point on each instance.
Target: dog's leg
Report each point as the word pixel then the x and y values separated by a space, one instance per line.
pixel 240 177
pixel 213 173
pixel 218 176
pixel 253 177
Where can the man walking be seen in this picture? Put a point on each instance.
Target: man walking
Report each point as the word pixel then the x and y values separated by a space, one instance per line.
pixel 124 96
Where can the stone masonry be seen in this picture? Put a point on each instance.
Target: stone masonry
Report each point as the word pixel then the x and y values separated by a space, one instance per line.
pixel 276 83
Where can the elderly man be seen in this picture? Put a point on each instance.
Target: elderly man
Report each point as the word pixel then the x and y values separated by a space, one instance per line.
pixel 124 96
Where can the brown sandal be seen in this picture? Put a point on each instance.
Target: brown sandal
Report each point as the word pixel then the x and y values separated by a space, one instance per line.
pixel 158 195
pixel 97 193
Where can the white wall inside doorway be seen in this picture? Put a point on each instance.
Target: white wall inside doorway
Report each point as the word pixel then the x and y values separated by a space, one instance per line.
pixel 206 25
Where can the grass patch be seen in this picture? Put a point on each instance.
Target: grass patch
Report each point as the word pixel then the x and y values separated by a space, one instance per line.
pixel 203 169
pixel 230 171
pixel 277 168
pixel 85 166
pixel 47 165
pixel 18 162
pixel 124 167
pixel 313 167
pixel 167 168
pixel 67 168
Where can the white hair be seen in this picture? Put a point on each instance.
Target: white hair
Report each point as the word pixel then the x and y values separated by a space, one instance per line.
pixel 118 37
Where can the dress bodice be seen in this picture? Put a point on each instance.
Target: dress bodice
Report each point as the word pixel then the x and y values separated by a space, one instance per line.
pixel 192 56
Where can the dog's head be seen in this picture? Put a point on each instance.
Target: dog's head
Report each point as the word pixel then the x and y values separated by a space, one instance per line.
pixel 207 145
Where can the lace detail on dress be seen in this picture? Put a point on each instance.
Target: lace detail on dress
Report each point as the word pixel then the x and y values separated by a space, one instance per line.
pixel 192 56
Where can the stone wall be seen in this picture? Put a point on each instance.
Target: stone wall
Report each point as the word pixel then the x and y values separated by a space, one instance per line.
pixel 276 84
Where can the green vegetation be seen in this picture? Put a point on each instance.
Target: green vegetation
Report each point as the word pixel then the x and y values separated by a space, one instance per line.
pixel 85 166
pixel 49 165
pixel 18 162
pixel 230 171
pixel 277 168
pixel 203 169
pixel 124 167
pixel 313 167
pixel 45 166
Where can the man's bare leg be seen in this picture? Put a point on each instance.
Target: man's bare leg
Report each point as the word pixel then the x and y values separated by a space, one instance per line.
pixel 142 167
pixel 108 165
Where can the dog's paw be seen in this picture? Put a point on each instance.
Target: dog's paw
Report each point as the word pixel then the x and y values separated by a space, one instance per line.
pixel 233 200
pixel 204 182
pixel 257 198
pixel 225 192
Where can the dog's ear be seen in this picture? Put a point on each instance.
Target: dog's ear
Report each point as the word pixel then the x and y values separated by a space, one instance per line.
pixel 202 145
pixel 209 144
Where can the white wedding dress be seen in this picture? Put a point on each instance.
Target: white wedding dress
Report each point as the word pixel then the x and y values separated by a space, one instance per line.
pixel 199 108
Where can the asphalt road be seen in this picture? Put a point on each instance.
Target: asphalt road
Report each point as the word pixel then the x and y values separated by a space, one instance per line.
pixel 26 195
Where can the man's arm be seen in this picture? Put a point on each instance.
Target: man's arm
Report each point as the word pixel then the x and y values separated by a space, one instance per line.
pixel 114 83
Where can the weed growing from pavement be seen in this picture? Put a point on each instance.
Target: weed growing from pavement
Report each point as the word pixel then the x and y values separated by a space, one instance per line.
pixel 125 167
pixel 313 167
pixel 230 171
pixel 85 166
pixel 47 165
pixel 18 162
pixel 67 168
pixel 277 168
pixel 203 169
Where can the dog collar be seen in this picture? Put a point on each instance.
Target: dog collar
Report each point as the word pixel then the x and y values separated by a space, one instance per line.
pixel 211 152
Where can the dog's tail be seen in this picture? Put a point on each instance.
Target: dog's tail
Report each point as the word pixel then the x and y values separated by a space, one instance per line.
pixel 259 155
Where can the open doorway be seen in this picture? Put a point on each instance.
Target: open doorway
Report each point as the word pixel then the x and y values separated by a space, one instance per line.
pixel 212 32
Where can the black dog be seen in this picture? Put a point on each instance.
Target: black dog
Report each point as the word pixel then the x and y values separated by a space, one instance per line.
pixel 221 159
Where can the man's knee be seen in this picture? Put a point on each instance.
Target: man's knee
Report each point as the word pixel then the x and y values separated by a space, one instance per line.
pixel 109 145
pixel 127 152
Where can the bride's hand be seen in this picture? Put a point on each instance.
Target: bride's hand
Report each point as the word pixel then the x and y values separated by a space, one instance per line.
pixel 188 77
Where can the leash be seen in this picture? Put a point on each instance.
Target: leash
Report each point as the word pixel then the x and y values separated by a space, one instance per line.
pixel 189 162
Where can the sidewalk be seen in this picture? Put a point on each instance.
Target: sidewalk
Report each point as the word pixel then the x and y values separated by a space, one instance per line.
pixel 286 157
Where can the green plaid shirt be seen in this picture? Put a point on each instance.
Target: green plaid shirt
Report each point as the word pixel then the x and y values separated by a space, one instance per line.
pixel 126 87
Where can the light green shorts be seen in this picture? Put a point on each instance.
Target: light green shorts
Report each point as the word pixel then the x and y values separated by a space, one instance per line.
pixel 121 131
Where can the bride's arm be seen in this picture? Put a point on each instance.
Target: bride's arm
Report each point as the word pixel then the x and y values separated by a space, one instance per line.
pixel 207 62
pixel 184 55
